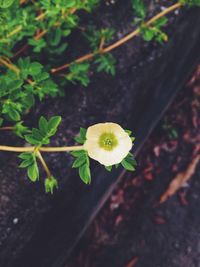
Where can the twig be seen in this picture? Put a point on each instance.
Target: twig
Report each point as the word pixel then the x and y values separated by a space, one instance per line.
pixel 101 43
pixel 41 33
pixel 9 65
pixel 41 149
pixel 121 41
pixel 7 128
pixel 39 155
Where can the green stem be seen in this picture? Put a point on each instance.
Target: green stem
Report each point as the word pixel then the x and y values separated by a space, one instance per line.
pixel 39 155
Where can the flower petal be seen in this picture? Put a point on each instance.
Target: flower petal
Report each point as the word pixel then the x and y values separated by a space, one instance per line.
pixel 103 156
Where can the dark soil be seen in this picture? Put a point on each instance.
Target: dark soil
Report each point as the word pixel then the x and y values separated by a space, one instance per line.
pixel 40 230
pixel 133 229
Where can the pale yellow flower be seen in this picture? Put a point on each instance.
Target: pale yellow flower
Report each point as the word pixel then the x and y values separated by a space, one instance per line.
pixel 107 143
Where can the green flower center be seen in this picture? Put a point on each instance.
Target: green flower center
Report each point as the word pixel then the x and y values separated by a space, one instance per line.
pixel 108 141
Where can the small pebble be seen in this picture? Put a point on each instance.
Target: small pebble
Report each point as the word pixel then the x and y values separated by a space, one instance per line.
pixel 15 220
pixel 176 12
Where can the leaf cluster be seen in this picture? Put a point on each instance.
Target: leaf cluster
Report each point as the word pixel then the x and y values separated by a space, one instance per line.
pixel 154 32
pixel 20 88
pixel 190 3
pixel 38 137
pixel 19 22
pixel 139 8
pixel 46 129
pixel 95 37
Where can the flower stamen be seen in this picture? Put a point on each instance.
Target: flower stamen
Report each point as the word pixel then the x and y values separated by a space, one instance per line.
pixel 108 141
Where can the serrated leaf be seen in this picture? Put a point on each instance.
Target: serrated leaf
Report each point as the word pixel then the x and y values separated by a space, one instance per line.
pixel 106 63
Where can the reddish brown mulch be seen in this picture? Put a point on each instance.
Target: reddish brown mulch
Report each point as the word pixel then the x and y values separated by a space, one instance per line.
pixel 134 229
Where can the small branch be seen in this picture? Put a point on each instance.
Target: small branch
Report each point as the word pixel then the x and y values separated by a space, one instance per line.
pixel 21 50
pixel 14 68
pixel 79 60
pixel 121 41
pixel 41 149
pixel 22 2
pixel 18 29
pixel 101 43
pixel 40 34
pixel 41 16
pixel 9 65
pixel 39 155
pixel 7 128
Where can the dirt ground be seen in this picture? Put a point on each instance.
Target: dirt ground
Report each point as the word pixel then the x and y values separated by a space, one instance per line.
pixel 28 217
pixel 134 228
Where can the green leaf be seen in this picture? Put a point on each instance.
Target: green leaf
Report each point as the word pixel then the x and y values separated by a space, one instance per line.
pixel 154 32
pixel 106 63
pixel 130 133
pixel 25 163
pixel 190 3
pixel 147 33
pixel 83 163
pixel 95 36
pixel 46 130
pixel 78 153
pixel 79 161
pixel 30 139
pixel 20 129
pixel 108 168
pixel 43 125
pixel 37 134
pixel 84 173
pixel 33 172
pixel 35 68
pixel 160 22
pixel 139 8
pixel 28 161
pixel 14 114
pixel 25 155
pixel 53 124
pixel 129 162
pixel 79 73
pixel 82 136
pixel 6 3
pixel 127 165
pixel 38 45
